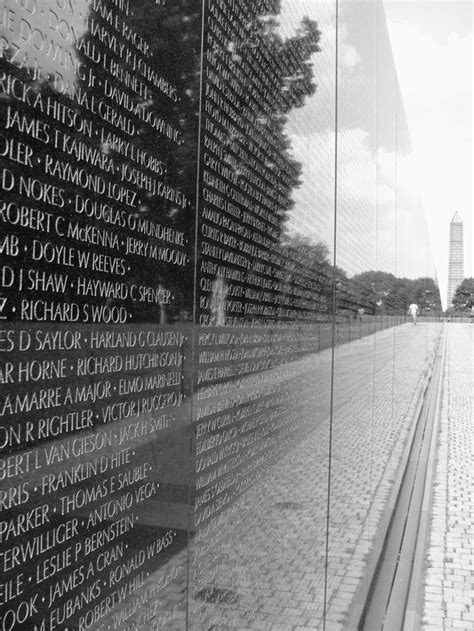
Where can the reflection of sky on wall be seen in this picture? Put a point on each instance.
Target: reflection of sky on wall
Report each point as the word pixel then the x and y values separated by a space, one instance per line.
pixel 48 32
pixel 380 224
pixel 433 46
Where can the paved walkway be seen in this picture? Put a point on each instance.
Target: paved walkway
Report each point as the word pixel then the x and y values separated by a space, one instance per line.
pixel 449 584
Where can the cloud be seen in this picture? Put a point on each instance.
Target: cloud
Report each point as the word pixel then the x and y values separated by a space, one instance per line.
pixel 436 82
pixel 380 223
pixel 428 71
pixel 46 41
pixel 349 58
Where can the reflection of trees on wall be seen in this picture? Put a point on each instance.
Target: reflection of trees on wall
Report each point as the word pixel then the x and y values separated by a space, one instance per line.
pixel 260 77
pixel 173 33
pixel 375 292
pixel 308 265
pixel 291 81
pixel 382 292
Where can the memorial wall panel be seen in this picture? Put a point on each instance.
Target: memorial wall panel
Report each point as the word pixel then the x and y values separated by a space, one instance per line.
pixel 99 131
pixel 262 293
pixel 199 249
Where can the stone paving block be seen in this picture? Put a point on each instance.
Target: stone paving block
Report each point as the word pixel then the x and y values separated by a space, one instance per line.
pixel 460 624
pixel 333 626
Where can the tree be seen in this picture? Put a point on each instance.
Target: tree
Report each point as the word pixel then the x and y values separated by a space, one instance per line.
pixel 463 298
pixel 253 79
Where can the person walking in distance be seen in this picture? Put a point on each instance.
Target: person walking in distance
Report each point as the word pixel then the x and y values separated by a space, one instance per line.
pixel 413 311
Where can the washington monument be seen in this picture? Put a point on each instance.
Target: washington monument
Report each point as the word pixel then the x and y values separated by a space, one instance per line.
pixel 456 256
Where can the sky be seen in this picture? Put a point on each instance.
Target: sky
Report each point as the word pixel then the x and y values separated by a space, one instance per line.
pixel 432 43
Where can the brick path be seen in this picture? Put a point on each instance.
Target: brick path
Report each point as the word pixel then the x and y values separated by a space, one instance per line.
pixel 449 584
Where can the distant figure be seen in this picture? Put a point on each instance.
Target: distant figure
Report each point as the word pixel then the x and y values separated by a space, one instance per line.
pixel 413 311
pixel 471 318
pixel 360 313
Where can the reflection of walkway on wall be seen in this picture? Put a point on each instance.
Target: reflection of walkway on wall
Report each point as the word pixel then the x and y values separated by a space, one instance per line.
pixel 274 562
pixel 264 567
pixel 449 581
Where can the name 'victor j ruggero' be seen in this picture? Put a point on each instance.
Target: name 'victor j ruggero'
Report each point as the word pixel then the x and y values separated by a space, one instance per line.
pixel 98 146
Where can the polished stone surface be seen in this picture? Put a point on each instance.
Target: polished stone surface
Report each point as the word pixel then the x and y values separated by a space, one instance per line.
pixel 200 278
